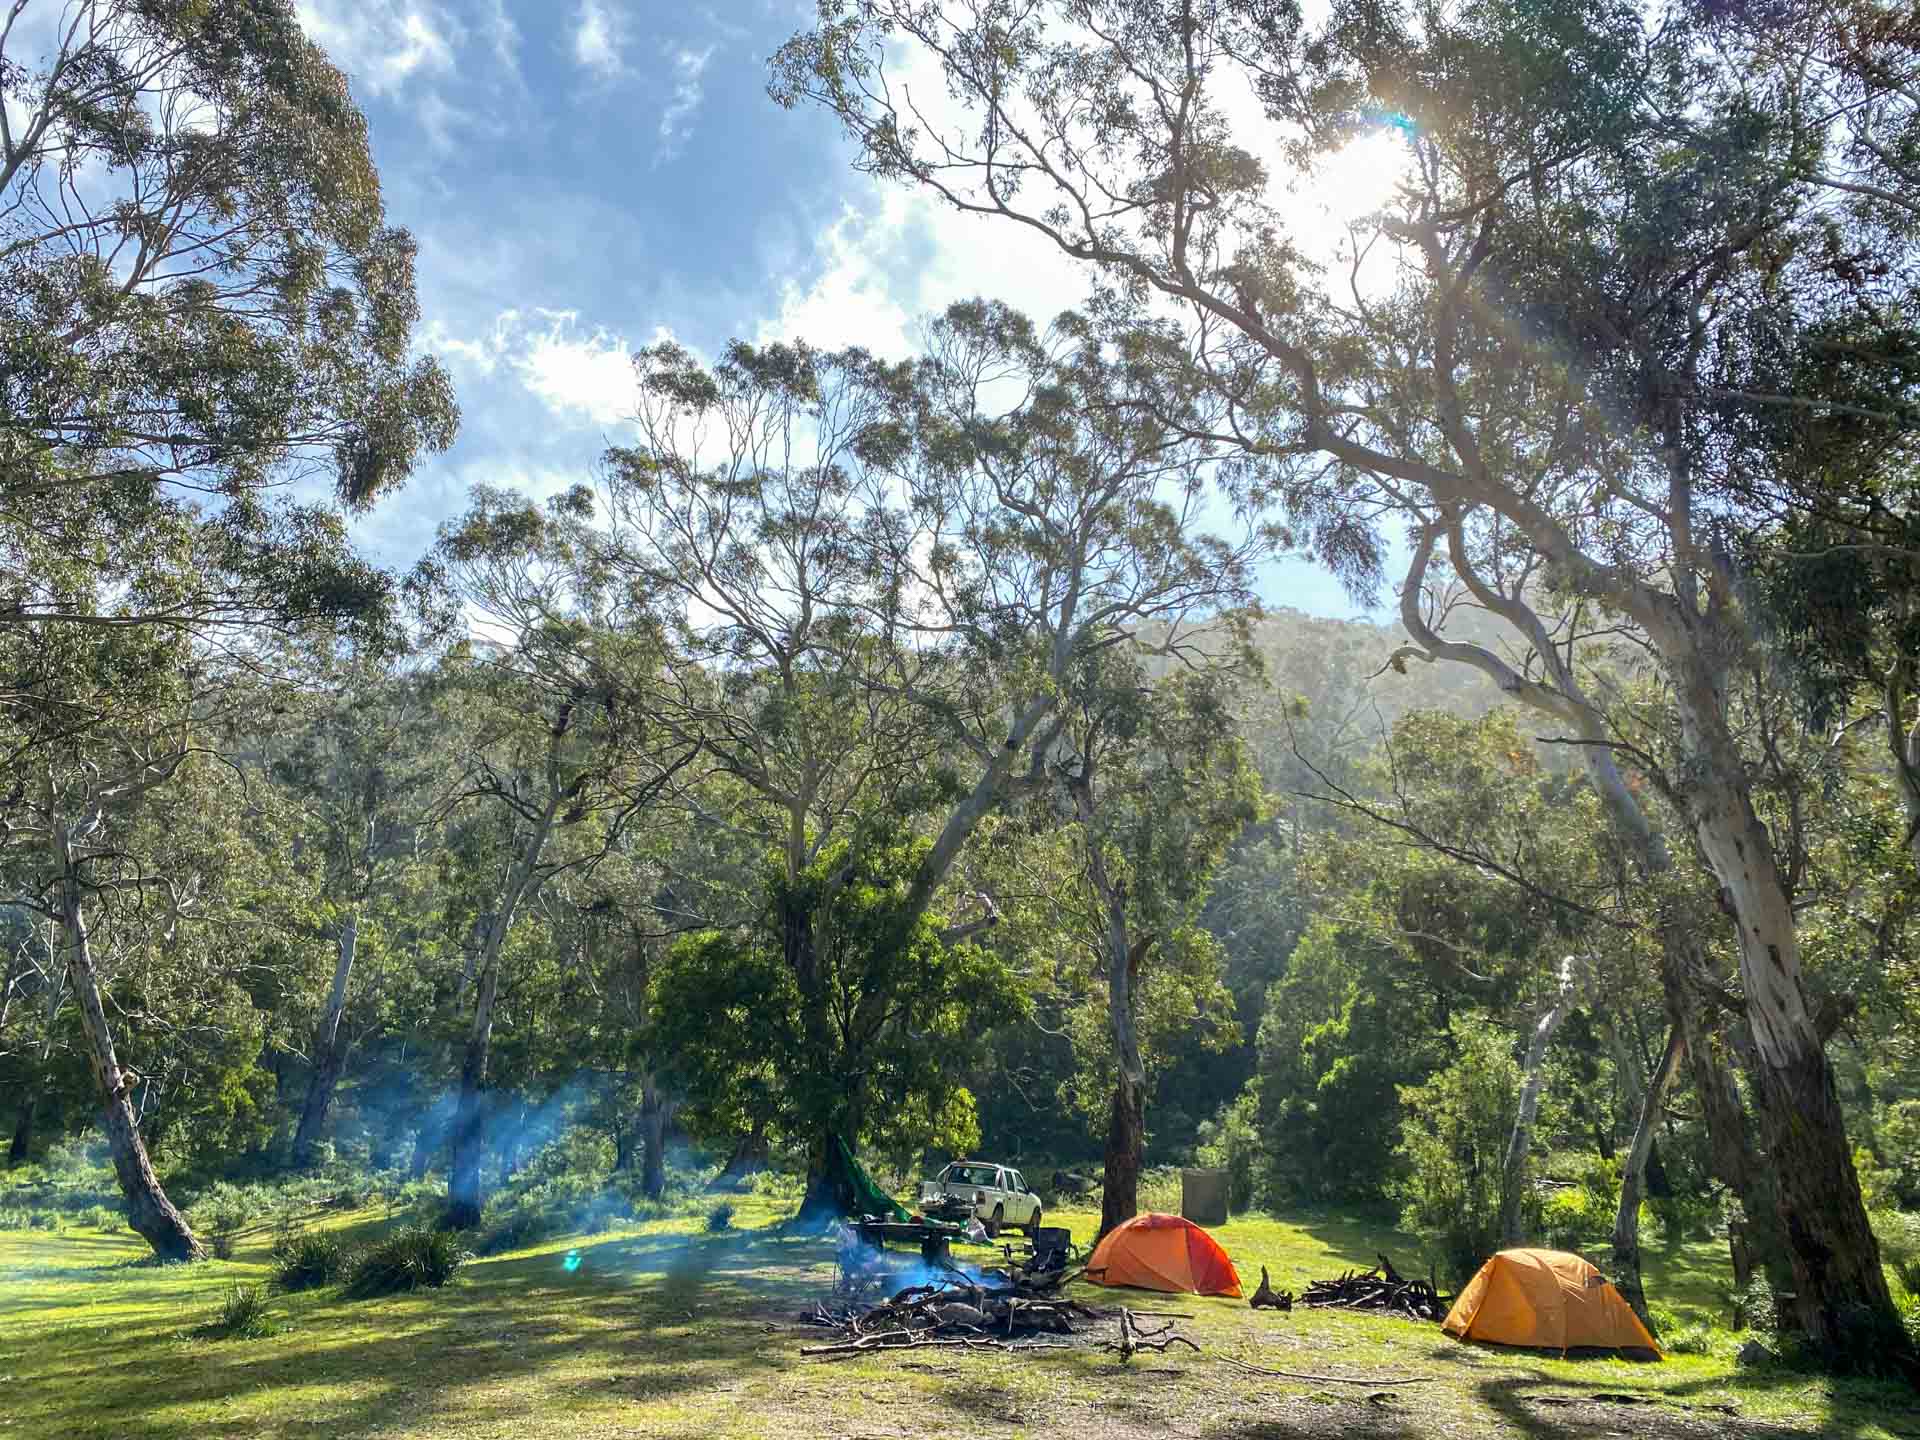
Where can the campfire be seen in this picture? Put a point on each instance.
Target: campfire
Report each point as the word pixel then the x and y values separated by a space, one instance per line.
pixel 948 1303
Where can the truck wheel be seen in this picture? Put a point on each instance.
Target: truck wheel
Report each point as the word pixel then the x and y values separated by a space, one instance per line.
pixel 998 1218
pixel 1033 1225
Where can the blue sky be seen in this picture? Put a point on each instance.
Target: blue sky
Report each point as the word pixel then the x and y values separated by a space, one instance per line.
pixel 584 176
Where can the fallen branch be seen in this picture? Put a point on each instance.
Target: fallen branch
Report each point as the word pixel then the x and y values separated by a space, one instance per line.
pixel 1134 1338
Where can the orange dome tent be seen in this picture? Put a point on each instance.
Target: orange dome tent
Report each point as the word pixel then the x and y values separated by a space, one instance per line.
pixel 1163 1252
pixel 1545 1298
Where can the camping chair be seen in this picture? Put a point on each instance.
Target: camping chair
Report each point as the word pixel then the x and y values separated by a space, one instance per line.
pixel 1052 1247
pixel 1052 1253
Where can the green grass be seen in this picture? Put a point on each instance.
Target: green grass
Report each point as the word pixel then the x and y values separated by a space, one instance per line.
pixel 663 1329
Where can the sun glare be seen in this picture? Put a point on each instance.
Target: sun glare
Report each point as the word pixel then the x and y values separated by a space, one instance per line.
pixel 1359 179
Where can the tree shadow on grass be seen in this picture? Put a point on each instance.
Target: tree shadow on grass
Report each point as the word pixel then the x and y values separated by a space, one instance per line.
pixel 1353 1420
pixel 641 1318
pixel 1556 1408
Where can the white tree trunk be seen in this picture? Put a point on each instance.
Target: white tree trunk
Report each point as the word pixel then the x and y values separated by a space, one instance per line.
pixel 149 1212
pixel 1633 1178
pixel 463 1178
pixel 1514 1174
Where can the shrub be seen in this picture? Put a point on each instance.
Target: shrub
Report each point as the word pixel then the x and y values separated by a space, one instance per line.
pixel 1573 1218
pixel 516 1225
pixel 1695 1339
pixel 777 1185
pixel 1684 1217
pixel 1231 1141
pixel 1910 1317
pixel 1899 1237
pixel 242 1316
pixel 1453 1140
pixel 720 1217
pixel 1160 1189
pixel 1756 1309
pixel 308 1260
pixel 222 1213
pixel 411 1257
pixel 96 1217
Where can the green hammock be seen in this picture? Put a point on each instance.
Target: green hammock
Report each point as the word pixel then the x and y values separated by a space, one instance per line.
pixel 855 1188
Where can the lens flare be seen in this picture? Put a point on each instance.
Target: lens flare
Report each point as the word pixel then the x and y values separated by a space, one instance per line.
pixel 572 1262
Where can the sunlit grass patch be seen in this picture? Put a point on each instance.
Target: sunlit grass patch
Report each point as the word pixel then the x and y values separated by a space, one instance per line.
pixel 662 1328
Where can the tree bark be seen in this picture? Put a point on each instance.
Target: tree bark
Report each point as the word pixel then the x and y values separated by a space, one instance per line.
pixel 1126 1119
pixel 1840 1291
pixel 1126 1142
pixel 426 1140
pixel 464 1197
pixel 329 1054
pixel 625 1144
pixel 749 1156
pixel 1513 1176
pixel 655 1112
pixel 1756 1239
pixel 1626 1219
pixel 1903 741
pixel 800 950
pixel 23 1129
pixel 149 1212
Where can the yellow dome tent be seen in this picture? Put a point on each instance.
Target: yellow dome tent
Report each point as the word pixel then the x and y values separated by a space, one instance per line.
pixel 1548 1299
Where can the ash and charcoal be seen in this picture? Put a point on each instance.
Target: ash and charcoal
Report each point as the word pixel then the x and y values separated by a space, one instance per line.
pixel 896 1302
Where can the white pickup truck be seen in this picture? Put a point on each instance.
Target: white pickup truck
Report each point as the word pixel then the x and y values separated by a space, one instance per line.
pixel 999 1196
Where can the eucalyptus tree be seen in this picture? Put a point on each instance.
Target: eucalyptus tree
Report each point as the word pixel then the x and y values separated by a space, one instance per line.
pixel 199 297
pixel 354 759
pixel 34 996
pixel 1553 362
pixel 99 723
pixel 1832 340
pixel 892 574
pixel 551 703
pixel 1157 786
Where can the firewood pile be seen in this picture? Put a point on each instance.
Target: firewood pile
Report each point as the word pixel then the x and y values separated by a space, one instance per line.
pixel 1382 1288
pixel 957 1314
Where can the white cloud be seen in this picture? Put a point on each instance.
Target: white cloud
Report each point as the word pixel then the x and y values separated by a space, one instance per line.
pixel 599 36
pixel 576 374
pixel 381 44
pixel 688 67
pixel 504 36
pixel 904 254
pixel 581 376
pixel 442 120
pixel 885 268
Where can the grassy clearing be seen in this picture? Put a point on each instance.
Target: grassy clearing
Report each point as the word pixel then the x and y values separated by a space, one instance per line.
pixel 663 1329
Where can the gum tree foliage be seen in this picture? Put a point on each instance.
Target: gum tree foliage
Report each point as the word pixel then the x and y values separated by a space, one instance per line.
pixel 352 758
pixel 890 576
pixel 549 688
pixel 1406 937
pixel 120 830
pixel 1157 786
pixel 199 299
pixel 880 1054
pixel 1548 362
